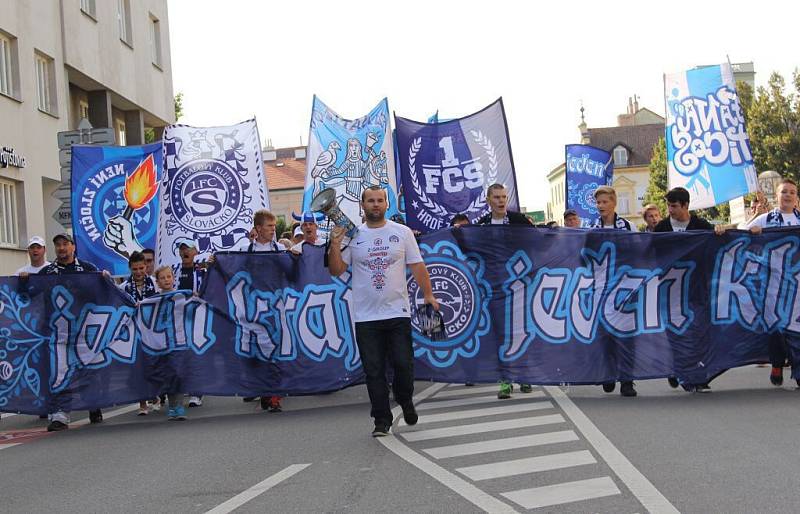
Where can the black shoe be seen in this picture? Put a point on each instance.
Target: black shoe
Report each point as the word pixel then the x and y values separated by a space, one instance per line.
pixel 609 387
pixel 702 388
pixel 380 430
pixel 264 402
pixel 248 399
pixel 95 416
pixel 469 384
pixel 57 426
pixel 43 416
pixel 410 414
pixel 626 389
pixel 673 382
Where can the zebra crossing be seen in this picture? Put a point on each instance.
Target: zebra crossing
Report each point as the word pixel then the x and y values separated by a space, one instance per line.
pixel 524 452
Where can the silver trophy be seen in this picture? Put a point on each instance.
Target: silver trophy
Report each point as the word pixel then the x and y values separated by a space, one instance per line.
pixel 325 202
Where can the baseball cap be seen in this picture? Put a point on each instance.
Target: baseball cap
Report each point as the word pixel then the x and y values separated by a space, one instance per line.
pixel 298 232
pixel 186 242
pixel 64 235
pixel 35 240
pixel 570 212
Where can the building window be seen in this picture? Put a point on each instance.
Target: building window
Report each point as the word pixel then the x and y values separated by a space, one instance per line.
pixel 9 234
pixel 8 66
pixel 83 110
pixel 121 139
pixel 155 40
pixel 45 84
pixel 624 203
pixel 88 6
pixel 124 18
pixel 620 156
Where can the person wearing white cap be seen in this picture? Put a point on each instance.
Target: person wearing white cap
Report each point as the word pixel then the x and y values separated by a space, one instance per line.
pixel 36 254
pixel 308 227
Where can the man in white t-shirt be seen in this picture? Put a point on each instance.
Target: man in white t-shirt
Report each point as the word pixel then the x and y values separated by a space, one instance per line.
pixel 36 253
pixel 785 215
pixel 379 254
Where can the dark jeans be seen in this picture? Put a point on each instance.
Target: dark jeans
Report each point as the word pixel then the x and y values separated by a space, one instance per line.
pixel 377 341
pixel 778 350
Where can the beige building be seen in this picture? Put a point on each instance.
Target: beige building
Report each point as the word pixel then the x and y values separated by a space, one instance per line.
pixel 285 169
pixel 61 61
pixel 631 145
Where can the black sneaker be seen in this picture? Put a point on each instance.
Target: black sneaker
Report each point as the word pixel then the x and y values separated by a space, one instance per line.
pixel 248 399
pixel 609 387
pixel 264 402
pixel 95 416
pixel 626 389
pixel 380 430
pixel 673 382
pixel 410 414
pixel 57 426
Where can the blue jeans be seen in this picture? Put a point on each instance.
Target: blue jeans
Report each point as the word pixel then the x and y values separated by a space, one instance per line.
pixel 377 341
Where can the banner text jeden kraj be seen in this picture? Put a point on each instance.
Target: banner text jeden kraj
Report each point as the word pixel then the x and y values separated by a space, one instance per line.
pixel 557 306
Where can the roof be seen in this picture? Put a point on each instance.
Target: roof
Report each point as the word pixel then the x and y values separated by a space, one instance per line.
pixel 638 139
pixel 285 174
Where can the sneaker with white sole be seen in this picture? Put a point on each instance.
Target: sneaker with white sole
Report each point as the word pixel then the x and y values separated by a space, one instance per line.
pixel 195 401
pixel 380 430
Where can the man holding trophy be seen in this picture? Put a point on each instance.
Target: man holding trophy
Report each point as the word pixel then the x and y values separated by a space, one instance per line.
pixel 379 252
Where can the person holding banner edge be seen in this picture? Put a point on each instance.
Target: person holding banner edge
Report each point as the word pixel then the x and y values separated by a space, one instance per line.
pixel 379 253
pixel 497 200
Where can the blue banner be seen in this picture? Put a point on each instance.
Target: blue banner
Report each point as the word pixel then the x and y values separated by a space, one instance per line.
pixel 447 166
pixel 586 169
pixel 348 156
pixel 708 150
pixel 557 306
pixel 114 202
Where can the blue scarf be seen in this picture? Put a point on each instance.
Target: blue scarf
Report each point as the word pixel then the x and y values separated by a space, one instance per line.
pixel 775 217
pixel 619 223
pixel 137 295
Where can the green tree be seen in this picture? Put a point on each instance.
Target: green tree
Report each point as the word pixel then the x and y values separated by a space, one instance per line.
pixel 150 134
pixel 657 186
pixel 772 117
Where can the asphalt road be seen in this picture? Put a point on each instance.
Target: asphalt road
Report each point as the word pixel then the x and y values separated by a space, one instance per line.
pixel 566 450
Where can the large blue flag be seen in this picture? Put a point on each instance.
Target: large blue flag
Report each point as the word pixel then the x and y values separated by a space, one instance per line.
pixel 708 150
pixel 586 169
pixel 115 202
pixel 348 156
pixel 447 166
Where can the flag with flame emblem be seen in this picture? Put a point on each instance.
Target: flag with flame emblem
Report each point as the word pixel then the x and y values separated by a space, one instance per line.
pixel 115 202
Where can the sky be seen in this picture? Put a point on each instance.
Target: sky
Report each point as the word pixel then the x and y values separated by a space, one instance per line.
pixel 235 59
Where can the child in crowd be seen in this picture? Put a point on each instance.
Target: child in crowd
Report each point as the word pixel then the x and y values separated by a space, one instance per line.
pixel 166 283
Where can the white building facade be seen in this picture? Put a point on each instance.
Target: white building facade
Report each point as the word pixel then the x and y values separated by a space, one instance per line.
pixel 61 61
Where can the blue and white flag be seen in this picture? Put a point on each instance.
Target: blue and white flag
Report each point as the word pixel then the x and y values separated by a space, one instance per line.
pixel 447 166
pixel 587 168
pixel 348 156
pixel 212 186
pixel 114 202
pixel 708 150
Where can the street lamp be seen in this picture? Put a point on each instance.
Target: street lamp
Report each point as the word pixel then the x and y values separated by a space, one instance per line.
pixel 768 182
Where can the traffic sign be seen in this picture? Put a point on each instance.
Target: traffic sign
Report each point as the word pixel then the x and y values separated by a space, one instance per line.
pixel 63 215
pixel 63 192
pixel 96 136
pixel 65 157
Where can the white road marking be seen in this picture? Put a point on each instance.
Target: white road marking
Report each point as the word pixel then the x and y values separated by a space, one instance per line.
pixel 468 391
pixel 474 401
pixel 639 485
pixel 496 445
pixel 486 411
pixel 529 465
pixel 566 492
pixel 107 415
pixel 478 428
pixel 9 445
pixel 480 499
pixel 260 488
pixel 5 415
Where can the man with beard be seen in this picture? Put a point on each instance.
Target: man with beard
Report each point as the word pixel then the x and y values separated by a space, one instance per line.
pixel 379 254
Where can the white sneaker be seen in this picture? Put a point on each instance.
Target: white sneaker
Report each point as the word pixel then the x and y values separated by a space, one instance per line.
pixel 195 401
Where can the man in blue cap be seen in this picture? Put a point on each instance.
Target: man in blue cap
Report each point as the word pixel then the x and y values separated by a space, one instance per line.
pixel 308 224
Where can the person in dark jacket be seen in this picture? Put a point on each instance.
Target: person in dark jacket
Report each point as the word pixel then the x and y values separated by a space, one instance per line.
pixel 680 220
pixel 497 199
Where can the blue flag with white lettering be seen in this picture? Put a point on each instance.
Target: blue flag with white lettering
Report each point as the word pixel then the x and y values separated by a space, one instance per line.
pixel 708 150
pixel 586 169
pixel 447 166
pixel 114 202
